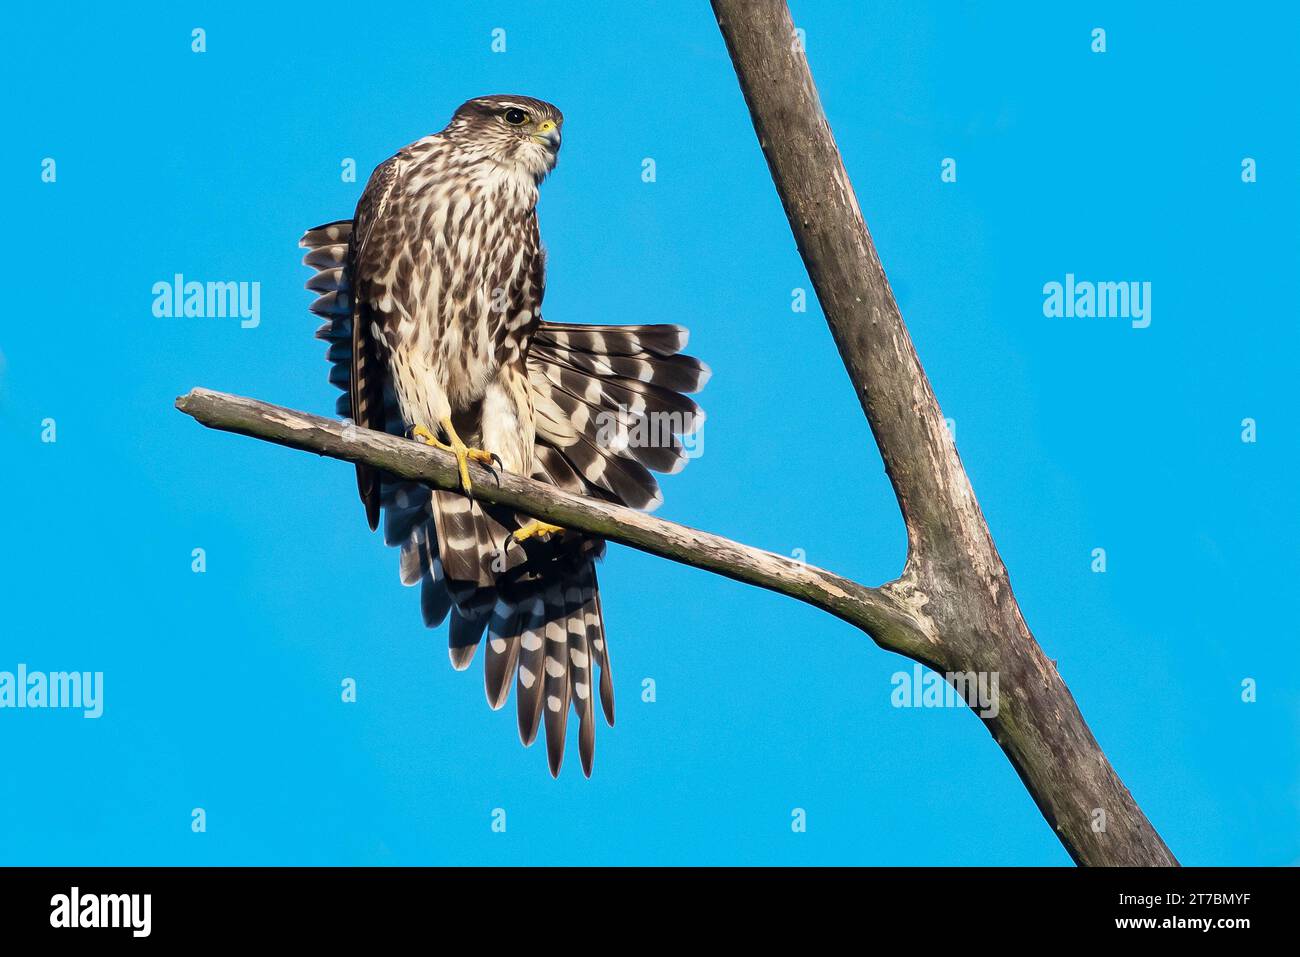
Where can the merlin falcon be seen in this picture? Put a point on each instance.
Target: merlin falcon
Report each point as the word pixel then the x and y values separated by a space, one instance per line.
pixel 432 301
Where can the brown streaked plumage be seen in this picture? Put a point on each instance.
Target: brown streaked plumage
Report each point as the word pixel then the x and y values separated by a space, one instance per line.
pixel 432 297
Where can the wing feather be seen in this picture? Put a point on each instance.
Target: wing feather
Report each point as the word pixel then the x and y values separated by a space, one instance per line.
pixel 369 254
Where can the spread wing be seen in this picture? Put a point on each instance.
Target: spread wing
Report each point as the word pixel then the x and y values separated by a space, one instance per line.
pixel 611 408
pixel 370 252
pixel 348 256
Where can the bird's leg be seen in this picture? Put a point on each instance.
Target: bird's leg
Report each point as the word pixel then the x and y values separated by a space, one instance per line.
pixel 533 529
pixel 457 447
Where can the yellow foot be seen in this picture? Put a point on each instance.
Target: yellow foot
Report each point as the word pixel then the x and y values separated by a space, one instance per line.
pixel 533 529
pixel 462 451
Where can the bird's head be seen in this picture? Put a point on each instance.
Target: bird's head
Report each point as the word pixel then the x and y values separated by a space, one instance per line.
pixel 516 131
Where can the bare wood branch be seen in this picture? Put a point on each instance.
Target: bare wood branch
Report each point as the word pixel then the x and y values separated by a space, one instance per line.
pixel 954 577
pixel 881 613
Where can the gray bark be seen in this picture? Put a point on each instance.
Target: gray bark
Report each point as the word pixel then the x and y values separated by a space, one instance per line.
pixel 954 581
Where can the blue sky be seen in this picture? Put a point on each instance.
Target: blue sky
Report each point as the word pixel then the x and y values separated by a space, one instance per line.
pixel 222 689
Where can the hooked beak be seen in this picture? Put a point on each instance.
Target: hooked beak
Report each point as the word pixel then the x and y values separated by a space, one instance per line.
pixel 548 134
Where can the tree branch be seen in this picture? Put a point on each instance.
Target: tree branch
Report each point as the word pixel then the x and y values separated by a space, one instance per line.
pixel 954 577
pixel 880 612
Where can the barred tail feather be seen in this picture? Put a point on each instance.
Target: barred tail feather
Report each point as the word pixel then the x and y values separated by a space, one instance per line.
pixel 509 621
pixel 581 665
pixel 464 635
pixel 435 600
pixel 556 666
pixel 528 690
pixel 600 651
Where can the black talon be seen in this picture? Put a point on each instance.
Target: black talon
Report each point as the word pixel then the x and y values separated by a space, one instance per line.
pixel 492 467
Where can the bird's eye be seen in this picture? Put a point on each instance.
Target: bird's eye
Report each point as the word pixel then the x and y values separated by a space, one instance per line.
pixel 515 117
